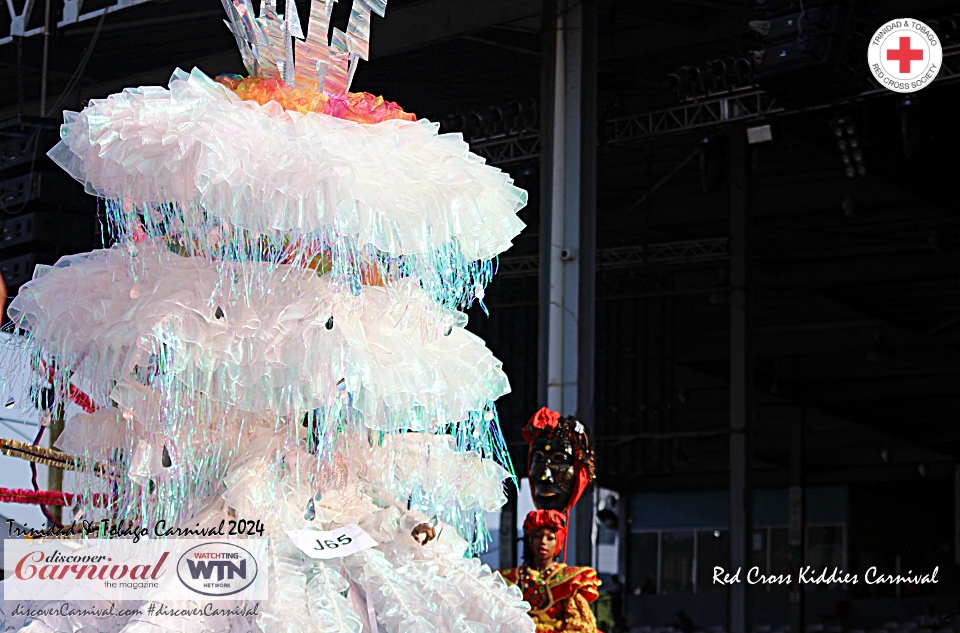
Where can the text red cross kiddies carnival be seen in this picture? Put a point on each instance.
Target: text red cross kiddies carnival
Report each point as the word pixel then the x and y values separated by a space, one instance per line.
pixel 905 54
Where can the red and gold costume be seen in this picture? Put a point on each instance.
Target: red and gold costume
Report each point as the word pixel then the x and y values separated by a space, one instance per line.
pixel 559 596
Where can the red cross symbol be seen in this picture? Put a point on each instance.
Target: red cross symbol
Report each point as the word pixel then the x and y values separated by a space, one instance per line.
pixel 905 54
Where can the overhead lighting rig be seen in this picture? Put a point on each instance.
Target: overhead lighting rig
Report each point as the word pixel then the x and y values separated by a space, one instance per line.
pixel 718 75
pixel 850 143
pixel 515 117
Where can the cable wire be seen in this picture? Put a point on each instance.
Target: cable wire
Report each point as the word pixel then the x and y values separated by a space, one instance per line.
pixel 81 68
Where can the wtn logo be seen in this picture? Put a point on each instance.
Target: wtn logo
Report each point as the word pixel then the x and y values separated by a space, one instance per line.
pixel 224 568
pixel 217 569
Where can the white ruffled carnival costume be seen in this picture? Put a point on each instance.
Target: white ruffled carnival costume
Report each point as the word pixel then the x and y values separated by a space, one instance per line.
pixel 199 161
pixel 264 169
pixel 237 378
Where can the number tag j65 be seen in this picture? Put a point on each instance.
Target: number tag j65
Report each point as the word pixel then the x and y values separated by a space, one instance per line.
pixel 338 543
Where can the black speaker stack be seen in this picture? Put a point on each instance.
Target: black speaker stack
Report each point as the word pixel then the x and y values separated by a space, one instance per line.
pixel 811 52
pixel 43 212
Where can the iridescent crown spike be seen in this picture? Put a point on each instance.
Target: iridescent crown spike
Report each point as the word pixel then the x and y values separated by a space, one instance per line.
pixel 318 61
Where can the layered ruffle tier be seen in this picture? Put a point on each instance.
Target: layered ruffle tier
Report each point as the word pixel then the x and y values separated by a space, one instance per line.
pixel 229 177
pixel 395 364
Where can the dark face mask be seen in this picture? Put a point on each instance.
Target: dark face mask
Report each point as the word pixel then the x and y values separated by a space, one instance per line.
pixel 552 473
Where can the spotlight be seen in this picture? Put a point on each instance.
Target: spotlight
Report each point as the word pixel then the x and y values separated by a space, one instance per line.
pixel 722 74
pixel 472 125
pixel 493 121
pixel 691 82
pixel 513 116
pixel 744 70
pixel 608 519
pixel 696 79
pixel 453 123
pixel 709 78
pixel 680 86
pixel 947 28
pixel 607 515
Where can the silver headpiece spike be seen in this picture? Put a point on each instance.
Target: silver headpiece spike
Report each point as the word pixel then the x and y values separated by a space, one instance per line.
pixel 273 51
pixel 313 56
pixel 319 60
pixel 358 29
pixel 241 23
pixel 293 20
pixel 336 83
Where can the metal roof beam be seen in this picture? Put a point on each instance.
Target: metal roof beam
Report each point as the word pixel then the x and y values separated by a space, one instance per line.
pixel 72 12
pixel 717 110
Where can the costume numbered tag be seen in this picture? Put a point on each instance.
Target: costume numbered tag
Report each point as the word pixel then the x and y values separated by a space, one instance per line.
pixel 338 543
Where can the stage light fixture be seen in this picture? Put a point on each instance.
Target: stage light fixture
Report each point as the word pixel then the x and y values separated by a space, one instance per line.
pixel 848 143
pixel 759 134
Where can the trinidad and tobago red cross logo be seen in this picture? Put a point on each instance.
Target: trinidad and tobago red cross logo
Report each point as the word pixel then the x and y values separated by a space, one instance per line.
pixel 904 55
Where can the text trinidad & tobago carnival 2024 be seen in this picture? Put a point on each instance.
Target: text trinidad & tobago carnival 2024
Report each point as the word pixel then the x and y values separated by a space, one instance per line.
pixel 104 529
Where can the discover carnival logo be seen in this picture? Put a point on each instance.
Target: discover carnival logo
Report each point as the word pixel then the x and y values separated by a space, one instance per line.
pixel 39 565
pixel 121 569
pixel 217 569
pixel 905 55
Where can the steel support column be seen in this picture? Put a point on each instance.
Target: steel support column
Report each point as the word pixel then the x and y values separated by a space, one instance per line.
pixel 627 580
pixel 568 227
pixel 508 530
pixel 741 382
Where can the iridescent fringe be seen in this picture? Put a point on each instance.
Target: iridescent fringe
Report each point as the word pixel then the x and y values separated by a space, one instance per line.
pixel 200 444
pixel 446 274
